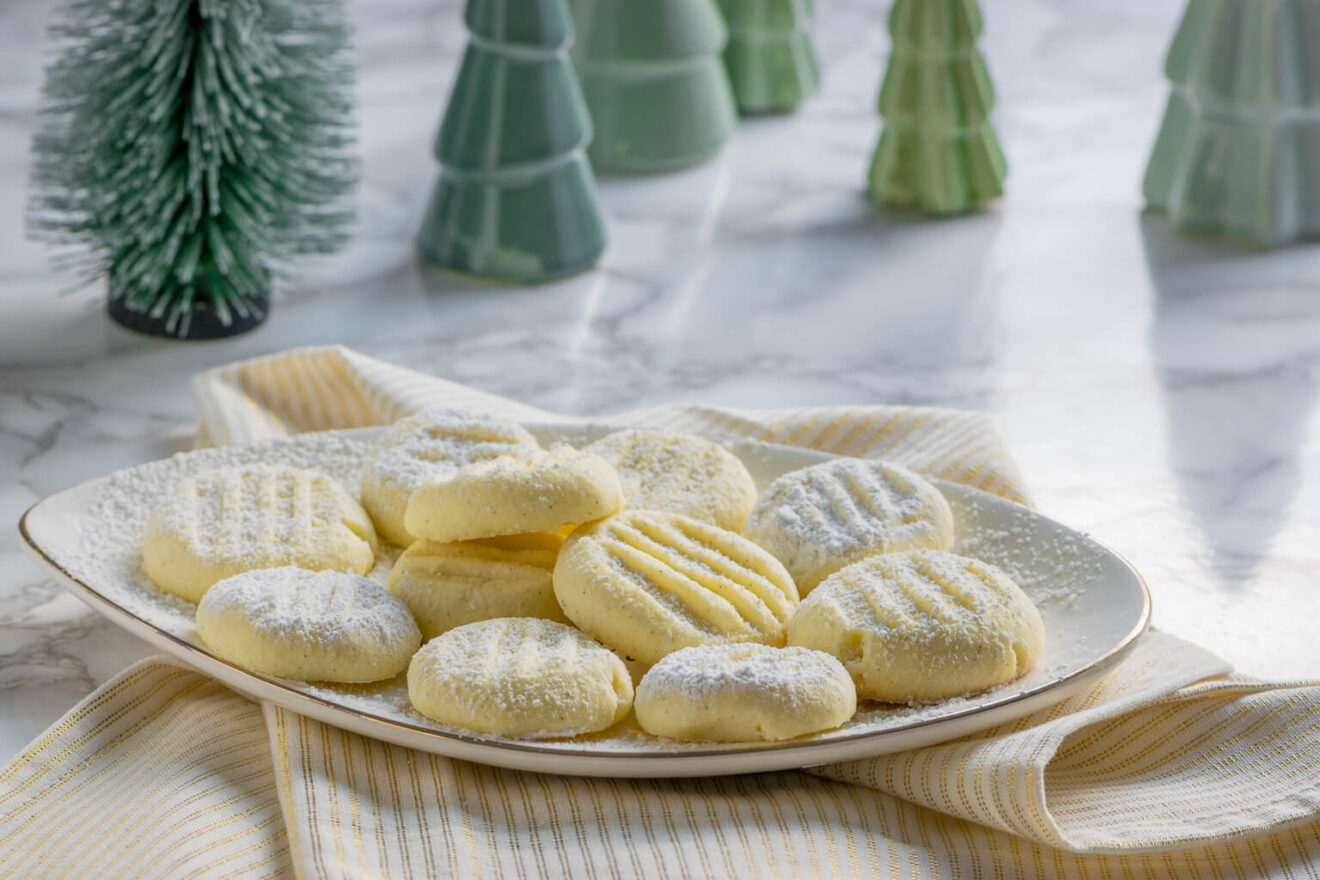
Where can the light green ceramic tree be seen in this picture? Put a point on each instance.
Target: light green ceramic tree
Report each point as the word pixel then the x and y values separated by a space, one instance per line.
pixel 652 76
pixel 1238 153
pixel 938 152
pixel 516 199
pixel 770 60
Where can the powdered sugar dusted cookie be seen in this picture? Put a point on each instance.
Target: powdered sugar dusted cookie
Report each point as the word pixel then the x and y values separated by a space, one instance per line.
pixel 318 626
pixel 744 693
pixel 239 519
pixel 818 519
pixel 648 583
pixel 519 678
pixel 513 495
pixel 448 585
pixel 432 443
pixel 680 473
pixel 920 626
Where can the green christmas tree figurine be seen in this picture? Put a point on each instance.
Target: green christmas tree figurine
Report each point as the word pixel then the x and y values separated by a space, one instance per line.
pixel 651 72
pixel 1236 154
pixel 190 148
pixel 938 152
pixel 516 200
pixel 769 57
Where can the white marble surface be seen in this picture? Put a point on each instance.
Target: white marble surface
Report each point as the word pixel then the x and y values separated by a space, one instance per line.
pixel 1158 392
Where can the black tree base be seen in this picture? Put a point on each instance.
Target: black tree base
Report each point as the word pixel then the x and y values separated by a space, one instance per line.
pixel 202 323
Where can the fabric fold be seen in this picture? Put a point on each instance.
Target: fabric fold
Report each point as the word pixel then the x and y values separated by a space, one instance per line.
pixel 1006 777
pixel 318 389
pixel 161 772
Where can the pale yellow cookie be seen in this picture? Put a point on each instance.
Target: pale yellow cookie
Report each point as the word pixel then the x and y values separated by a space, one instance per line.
pixel 520 678
pixel 818 519
pixel 648 583
pixel 680 473
pixel 744 693
pixel 313 625
pixel 435 442
pixel 921 626
pixel 513 495
pixel 448 585
pixel 239 519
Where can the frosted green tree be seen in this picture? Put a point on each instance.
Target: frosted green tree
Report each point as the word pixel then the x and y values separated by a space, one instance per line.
pixel 190 149
pixel 938 152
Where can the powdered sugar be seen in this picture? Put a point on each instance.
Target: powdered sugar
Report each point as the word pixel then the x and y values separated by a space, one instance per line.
pixel 679 473
pixel 820 518
pixel 712 672
pixel 523 677
pixel 257 516
pixel 744 693
pixel 433 443
pixel 322 609
pixel 924 624
pixel 322 626
pixel 109 555
pixel 1050 565
pixel 436 442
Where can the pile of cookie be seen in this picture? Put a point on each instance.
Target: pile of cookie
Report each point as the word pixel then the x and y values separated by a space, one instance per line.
pixel 549 592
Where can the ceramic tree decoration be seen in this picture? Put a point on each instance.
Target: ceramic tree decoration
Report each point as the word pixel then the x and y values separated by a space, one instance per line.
pixel 516 200
pixel 770 60
pixel 938 152
pixel 1238 153
pixel 655 84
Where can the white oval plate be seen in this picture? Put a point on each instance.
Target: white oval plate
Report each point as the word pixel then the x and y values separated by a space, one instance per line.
pixel 1094 604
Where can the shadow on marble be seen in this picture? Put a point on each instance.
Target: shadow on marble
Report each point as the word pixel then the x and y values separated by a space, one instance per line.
pixel 438 281
pixel 893 312
pixel 1237 365
pixel 51 310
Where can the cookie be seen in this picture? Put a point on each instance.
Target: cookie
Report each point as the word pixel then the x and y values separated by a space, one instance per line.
pixel 679 473
pixel 239 519
pixel 648 583
pixel 519 678
pixel 513 495
pixel 317 626
pixel 449 585
pixel 818 519
pixel 921 626
pixel 432 443
pixel 744 693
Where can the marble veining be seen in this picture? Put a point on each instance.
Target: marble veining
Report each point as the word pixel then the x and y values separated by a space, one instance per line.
pixel 1159 392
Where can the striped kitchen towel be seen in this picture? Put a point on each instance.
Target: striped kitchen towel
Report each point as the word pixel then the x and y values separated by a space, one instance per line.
pixel 1168 767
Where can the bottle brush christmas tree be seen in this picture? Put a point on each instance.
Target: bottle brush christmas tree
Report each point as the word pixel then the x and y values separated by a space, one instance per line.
pixel 516 199
pixel 658 92
pixel 1237 151
pixel 771 63
pixel 938 152
pixel 189 149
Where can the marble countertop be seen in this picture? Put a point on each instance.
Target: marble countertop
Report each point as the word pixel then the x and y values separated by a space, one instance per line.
pixel 1157 391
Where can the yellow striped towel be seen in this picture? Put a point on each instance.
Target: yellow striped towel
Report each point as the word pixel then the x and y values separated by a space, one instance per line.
pixel 1169 767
